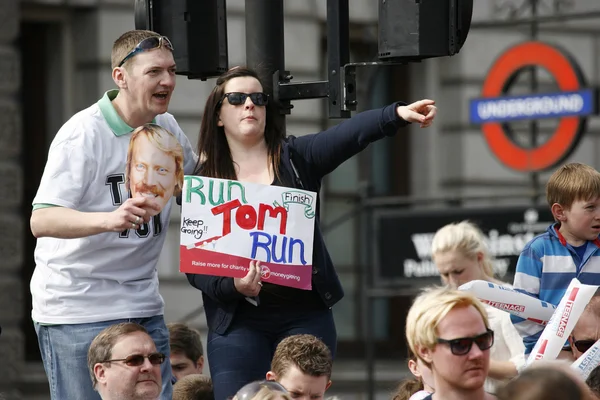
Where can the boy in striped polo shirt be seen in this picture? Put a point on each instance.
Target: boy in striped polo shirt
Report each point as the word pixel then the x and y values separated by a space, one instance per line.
pixel 569 247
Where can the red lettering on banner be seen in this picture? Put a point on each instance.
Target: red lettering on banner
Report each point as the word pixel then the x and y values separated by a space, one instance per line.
pixel 564 319
pixel 225 209
pixel 506 306
pixel 273 212
pixel 248 218
pixel 245 217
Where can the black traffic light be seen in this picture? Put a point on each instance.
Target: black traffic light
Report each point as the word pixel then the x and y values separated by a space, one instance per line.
pixel 197 29
pixel 418 29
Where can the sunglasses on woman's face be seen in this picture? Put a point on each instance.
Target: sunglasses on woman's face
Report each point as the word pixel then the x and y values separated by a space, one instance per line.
pixel 135 360
pixel 462 346
pixel 583 345
pixel 151 43
pixel 237 98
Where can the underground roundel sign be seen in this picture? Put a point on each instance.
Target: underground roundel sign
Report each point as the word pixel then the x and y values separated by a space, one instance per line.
pixel 570 104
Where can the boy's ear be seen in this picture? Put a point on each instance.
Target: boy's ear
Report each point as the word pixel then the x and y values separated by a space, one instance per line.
pixel 271 376
pixel 200 364
pixel 558 212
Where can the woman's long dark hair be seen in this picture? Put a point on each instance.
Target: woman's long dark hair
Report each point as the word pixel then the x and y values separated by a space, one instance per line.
pixel 215 159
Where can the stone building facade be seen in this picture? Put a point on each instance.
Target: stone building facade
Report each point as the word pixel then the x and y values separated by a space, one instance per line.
pixel 55 60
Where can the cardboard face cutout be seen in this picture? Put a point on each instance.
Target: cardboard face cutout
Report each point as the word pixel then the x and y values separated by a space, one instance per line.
pixel 154 165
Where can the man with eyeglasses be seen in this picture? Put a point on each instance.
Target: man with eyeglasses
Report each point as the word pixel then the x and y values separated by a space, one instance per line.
pixel 98 246
pixel 449 331
pixel 124 364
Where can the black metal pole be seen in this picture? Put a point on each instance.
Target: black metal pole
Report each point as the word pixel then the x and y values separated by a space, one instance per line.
pixel 370 346
pixel 265 51
pixel 534 86
pixel 368 319
pixel 338 55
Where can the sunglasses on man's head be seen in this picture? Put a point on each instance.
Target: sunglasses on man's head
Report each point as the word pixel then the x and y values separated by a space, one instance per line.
pixel 462 346
pixel 135 360
pixel 151 43
pixel 583 345
pixel 237 98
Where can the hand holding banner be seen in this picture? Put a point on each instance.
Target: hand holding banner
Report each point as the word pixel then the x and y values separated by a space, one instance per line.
pixel 562 322
pixel 509 300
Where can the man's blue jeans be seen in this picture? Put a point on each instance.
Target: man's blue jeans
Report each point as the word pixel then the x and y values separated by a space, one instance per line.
pixel 243 354
pixel 64 351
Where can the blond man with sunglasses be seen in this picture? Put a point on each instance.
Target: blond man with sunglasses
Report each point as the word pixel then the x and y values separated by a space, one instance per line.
pixel 448 330
pixel 98 242
pixel 124 364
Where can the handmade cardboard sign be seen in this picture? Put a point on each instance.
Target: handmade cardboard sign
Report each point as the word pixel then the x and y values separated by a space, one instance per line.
pixel 225 224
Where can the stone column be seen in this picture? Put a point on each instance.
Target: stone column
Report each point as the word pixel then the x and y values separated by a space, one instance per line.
pixel 11 223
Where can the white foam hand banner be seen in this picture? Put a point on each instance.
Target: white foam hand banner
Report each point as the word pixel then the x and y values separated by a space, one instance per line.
pixel 511 301
pixel 563 321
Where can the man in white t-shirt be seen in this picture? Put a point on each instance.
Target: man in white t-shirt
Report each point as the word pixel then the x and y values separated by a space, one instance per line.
pixel 97 246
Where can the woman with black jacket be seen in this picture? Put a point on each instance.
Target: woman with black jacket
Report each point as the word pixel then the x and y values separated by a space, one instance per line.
pixel 239 140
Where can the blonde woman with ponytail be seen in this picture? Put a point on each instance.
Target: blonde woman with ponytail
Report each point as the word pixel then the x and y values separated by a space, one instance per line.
pixel 461 255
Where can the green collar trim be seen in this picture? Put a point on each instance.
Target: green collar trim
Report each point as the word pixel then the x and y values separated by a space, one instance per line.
pixel 112 117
